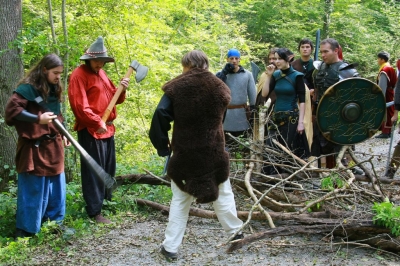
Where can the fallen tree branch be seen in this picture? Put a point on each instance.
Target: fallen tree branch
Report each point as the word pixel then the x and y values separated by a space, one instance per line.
pixel 323 217
pixel 156 177
pixel 356 228
pixel 291 154
pixel 150 179
pixel 257 201
pixel 374 181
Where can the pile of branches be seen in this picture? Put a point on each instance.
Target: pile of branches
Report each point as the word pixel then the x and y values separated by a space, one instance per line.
pixel 300 198
pixel 306 199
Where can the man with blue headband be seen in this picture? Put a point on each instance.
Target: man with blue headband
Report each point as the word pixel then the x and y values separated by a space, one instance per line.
pixel 243 91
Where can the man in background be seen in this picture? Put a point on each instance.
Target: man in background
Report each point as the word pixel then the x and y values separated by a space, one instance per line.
pixel 243 90
pixel 386 80
pixel 304 64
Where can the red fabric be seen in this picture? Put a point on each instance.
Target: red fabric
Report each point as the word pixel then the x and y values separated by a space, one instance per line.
pixel 89 94
pixel 389 71
pixel 391 74
pixel 340 53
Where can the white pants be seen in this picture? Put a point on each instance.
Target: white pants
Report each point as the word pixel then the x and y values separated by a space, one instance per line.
pixel 224 208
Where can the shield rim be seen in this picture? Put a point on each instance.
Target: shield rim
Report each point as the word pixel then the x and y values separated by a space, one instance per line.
pixel 331 90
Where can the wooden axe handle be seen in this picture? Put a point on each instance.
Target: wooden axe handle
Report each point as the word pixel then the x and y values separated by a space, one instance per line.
pixel 116 96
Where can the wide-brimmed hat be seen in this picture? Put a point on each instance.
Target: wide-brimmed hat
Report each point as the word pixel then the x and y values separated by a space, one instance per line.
pixel 97 51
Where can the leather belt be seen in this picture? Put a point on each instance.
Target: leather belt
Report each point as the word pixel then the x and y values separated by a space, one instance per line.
pixel 237 106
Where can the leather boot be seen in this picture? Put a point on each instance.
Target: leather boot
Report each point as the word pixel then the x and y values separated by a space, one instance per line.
pixel 102 220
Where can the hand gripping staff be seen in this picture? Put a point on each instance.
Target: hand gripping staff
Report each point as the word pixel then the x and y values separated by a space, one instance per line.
pixel 141 73
pixel 104 177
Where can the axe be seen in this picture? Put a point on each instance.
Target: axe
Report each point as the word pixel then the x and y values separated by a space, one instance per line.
pixel 254 70
pixel 141 73
pixel 102 175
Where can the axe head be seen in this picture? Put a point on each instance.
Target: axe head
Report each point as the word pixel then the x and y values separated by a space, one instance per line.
pixel 141 71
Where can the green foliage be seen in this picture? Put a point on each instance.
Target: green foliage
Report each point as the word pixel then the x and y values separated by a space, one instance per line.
pixel 363 28
pixel 9 170
pixel 157 34
pixel 315 207
pixel 75 201
pixel 387 215
pixel 51 236
pixel 14 253
pixel 8 201
pixel 332 182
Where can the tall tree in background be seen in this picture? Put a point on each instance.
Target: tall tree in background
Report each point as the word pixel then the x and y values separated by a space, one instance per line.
pixel 327 18
pixel 11 70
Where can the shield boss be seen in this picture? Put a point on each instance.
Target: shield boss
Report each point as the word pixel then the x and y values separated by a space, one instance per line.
pixel 351 111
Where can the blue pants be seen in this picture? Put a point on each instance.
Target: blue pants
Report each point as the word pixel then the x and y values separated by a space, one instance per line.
pixel 40 198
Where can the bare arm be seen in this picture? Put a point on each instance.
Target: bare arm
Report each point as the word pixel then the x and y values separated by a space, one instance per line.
pixel 266 89
pixel 300 125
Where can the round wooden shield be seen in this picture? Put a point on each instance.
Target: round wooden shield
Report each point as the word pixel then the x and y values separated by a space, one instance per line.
pixel 351 111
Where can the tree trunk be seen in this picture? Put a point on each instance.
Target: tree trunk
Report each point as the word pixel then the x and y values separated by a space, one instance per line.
pixel 71 155
pixel 11 70
pixel 327 17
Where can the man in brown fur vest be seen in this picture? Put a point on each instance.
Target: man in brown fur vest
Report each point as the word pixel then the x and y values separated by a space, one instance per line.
pixel 199 166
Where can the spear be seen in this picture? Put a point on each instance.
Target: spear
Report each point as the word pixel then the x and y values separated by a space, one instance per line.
pixel 390 147
pixel 317 40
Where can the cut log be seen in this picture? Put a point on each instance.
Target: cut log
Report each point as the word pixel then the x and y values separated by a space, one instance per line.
pixel 360 232
pixel 140 179
pixel 325 217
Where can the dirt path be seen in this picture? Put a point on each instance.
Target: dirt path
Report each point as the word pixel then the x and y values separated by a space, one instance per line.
pixel 137 243
pixel 133 242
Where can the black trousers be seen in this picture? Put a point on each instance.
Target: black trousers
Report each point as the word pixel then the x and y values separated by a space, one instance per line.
pixel 93 189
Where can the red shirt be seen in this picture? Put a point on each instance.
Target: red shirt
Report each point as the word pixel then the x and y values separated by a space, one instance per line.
pixel 89 95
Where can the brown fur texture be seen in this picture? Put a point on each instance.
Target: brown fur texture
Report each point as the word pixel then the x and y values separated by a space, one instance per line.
pixel 199 162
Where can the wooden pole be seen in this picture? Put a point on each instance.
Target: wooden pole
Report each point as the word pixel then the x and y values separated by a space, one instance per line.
pixel 120 89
